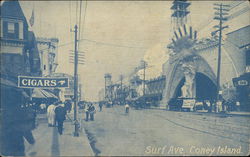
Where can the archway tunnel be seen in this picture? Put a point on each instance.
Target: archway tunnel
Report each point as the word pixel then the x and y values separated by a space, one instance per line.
pixel 205 90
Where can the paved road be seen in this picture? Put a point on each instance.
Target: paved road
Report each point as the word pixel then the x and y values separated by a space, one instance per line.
pixel 159 132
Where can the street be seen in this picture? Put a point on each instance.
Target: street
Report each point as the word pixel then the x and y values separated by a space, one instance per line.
pixel 171 78
pixel 160 132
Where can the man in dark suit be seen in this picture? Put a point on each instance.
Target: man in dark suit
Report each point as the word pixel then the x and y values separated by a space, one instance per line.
pixel 60 116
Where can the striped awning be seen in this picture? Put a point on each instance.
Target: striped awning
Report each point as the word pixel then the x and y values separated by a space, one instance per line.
pixel 6 82
pixel 41 93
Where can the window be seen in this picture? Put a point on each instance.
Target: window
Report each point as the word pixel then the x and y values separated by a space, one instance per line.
pixel 44 67
pixel 11 27
pixel 248 57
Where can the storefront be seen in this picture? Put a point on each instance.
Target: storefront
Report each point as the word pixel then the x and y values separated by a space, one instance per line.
pixel 242 85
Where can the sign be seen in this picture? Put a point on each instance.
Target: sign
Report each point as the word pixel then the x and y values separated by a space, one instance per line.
pixel 188 103
pixel 242 82
pixel 42 82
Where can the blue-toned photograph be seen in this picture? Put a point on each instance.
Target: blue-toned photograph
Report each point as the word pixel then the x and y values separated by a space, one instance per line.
pixel 124 78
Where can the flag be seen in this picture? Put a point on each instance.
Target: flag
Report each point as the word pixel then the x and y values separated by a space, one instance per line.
pixel 32 18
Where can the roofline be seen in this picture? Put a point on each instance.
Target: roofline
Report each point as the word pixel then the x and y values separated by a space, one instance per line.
pixel 238 29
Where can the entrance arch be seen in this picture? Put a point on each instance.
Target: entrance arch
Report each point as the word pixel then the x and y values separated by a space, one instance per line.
pixel 205 88
pixel 175 76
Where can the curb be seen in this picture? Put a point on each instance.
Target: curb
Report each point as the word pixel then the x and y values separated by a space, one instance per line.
pixel 82 132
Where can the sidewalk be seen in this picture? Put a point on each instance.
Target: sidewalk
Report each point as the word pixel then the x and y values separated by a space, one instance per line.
pixel 239 113
pixel 50 143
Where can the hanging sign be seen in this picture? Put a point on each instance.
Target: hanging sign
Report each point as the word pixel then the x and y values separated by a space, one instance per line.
pixel 42 82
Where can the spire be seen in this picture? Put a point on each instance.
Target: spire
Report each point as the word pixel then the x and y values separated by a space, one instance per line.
pixel 32 18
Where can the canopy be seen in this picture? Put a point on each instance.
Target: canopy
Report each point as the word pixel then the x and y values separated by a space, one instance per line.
pixel 41 93
pixel 5 83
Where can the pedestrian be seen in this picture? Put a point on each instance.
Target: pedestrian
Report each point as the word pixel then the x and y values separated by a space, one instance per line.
pixel 218 106
pixel 68 106
pixel 92 111
pixel 60 112
pixel 42 107
pixel 126 108
pixel 237 105
pixel 87 112
pixel 51 115
pixel 17 122
pixel 100 106
pixel 209 106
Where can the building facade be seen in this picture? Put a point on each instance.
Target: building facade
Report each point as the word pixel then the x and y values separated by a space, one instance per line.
pixel 192 66
pixel 154 90
pixel 19 53
pixel 67 93
pixel 49 55
pixel 19 56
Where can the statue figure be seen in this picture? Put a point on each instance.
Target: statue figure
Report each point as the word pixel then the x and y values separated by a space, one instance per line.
pixel 189 73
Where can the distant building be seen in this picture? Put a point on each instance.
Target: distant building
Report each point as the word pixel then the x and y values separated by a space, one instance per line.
pixel 48 53
pixel 241 39
pixel 67 92
pixel 154 91
pixel 134 82
pixel 108 87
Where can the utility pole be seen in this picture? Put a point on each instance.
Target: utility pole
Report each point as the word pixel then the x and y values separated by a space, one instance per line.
pixel 105 90
pixel 121 94
pixel 76 133
pixel 220 13
pixel 144 77
pixel 144 82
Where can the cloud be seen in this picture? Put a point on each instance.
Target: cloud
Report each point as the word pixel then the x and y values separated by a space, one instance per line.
pixel 155 57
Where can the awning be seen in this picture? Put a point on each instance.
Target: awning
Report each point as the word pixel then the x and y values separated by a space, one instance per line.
pixel 10 84
pixel 41 93
pixel 50 94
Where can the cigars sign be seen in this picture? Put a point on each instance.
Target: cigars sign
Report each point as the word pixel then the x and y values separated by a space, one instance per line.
pixel 42 82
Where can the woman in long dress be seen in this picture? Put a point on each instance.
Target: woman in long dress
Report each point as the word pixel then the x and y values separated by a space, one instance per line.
pixel 51 115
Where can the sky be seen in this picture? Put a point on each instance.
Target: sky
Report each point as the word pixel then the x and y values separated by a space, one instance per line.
pixel 115 35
